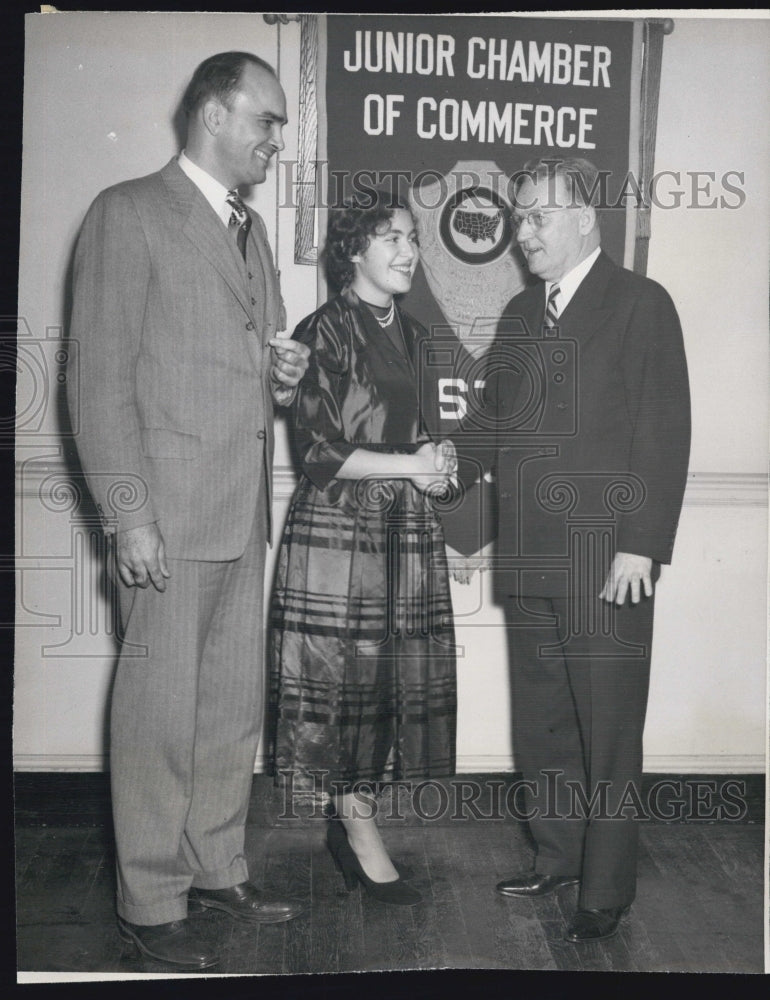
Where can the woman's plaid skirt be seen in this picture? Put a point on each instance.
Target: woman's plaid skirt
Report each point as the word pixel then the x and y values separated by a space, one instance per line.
pixel 362 671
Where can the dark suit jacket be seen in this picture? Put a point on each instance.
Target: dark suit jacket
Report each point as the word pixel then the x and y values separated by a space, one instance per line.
pixel 173 396
pixel 590 430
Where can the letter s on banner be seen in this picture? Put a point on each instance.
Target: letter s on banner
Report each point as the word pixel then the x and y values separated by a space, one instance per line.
pixel 451 397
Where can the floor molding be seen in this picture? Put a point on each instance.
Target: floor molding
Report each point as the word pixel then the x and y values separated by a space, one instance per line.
pixel 467 764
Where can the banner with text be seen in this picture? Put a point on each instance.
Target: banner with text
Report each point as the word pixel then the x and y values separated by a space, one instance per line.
pixel 450 108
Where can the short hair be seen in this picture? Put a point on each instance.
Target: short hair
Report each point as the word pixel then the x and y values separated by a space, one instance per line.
pixel 351 228
pixel 219 77
pixel 581 177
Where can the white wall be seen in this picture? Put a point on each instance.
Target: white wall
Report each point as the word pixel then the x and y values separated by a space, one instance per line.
pixel 708 695
pixel 100 90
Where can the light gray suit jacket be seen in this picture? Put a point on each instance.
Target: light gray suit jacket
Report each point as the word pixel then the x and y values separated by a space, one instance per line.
pixel 173 399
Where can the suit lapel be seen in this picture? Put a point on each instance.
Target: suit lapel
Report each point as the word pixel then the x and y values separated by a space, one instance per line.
pixel 523 316
pixel 587 311
pixel 533 313
pixel 205 230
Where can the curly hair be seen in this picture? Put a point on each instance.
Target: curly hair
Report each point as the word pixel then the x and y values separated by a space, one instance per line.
pixel 350 230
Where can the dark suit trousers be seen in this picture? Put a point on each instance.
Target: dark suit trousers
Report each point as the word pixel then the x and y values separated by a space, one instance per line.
pixel 186 720
pixel 578 719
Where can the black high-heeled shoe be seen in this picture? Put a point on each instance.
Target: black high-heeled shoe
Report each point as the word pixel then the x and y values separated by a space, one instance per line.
pixel 336 832
pixel 396 892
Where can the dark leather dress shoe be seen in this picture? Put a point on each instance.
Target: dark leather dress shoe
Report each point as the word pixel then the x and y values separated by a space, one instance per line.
pixel 246 902
pixel 177 943
pixel 533 884
pixel 595 925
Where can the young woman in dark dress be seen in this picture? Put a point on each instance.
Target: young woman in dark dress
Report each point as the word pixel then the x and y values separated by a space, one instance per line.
pixel 363 686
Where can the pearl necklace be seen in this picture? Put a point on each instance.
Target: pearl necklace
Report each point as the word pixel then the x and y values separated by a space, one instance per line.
pixel 387 319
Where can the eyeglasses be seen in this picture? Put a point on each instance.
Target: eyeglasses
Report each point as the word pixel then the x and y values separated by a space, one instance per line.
pixel 536 219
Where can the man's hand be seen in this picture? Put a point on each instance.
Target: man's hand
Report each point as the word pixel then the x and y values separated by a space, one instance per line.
pixel 461 568
pixel 627 570
pixel 446 457
pixel 430 472
pixel 141 557
pixel 289 364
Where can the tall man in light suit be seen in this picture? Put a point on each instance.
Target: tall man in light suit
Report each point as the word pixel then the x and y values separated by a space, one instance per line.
pixel 591 464
pixel 176 309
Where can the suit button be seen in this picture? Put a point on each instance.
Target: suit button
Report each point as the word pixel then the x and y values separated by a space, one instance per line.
pixel 261 435
pixel 249 326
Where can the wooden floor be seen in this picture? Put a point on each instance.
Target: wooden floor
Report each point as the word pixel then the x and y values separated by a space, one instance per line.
pixel 699 905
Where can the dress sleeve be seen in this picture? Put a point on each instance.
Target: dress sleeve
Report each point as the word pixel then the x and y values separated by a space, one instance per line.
pixel 319 432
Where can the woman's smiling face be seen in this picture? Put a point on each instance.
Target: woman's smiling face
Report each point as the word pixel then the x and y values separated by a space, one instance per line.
pixel 387 265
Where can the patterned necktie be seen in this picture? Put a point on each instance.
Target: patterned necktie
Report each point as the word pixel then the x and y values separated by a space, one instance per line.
pixel 240 220
pixel 551 312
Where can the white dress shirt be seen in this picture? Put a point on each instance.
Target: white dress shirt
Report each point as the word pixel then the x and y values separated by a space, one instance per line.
pixel 570 283
pixel 214 192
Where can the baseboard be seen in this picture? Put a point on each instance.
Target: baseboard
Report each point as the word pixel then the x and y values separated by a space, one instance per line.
pixel 466 764
pixel 653 764
pixel 705 764
pixel 61 762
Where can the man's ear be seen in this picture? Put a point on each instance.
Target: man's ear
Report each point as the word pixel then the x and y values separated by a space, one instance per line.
pixel 212 114
pixel 587 220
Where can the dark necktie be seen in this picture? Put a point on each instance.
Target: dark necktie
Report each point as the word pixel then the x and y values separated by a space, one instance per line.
pixel 551 314
pixel 240 220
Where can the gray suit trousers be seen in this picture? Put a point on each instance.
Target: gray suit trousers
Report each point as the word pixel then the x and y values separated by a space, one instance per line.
pixel 185 725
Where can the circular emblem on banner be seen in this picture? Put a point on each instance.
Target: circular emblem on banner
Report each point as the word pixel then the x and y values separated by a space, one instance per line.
pixel 475 225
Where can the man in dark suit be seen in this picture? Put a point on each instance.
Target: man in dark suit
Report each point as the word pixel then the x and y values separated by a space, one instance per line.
pixel 586 418
pixel 176 308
